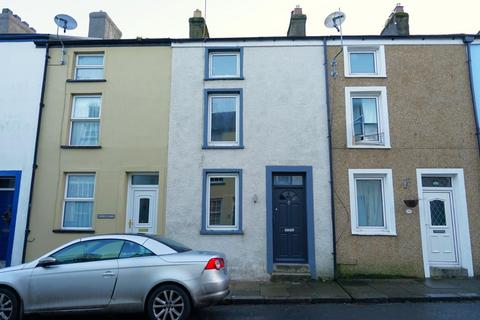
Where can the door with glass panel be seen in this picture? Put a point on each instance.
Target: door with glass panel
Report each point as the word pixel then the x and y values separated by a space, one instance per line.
pixel 440 227
pixel 289 218
pixel 142 204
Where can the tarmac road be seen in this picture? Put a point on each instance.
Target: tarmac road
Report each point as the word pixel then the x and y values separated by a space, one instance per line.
pixel 393 311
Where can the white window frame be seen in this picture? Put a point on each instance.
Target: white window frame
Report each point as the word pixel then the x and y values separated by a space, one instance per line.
pixel 223 53
pixel 72 119
pixel 66 199
pixel 98 66
pixel 385 175
pixel 209 227
pixel 380 93
pixel 379 61
pixel 235 143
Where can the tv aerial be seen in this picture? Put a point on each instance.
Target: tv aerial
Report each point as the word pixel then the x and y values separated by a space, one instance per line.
pixel 65 22
pixel 335 20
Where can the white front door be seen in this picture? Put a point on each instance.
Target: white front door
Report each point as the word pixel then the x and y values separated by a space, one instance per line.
pixel 440 228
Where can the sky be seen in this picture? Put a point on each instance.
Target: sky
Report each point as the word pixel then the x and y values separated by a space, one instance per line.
pixel 249 18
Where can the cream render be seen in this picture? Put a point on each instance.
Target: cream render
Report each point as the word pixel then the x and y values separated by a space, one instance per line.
pixel 432 131
pixel 135 98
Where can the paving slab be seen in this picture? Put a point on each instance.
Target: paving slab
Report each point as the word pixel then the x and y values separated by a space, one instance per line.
pixel 353 290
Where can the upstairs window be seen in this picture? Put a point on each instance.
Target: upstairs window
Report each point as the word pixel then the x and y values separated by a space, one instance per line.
pixel 223 125
pixel 224 63
pixel 365 61
pixel 367 117
pixel 85 121
pixel 89 67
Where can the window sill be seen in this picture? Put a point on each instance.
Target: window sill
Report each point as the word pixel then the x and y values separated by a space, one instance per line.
pixel 87 80
pixel 374 233
pixel 365 76
pixel 73 231
pixel 79 147
pixel 368 146
pixel 224 78
pixel 222 147
pixel 221 232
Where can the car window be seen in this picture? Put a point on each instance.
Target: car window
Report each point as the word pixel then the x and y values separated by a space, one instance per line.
pixel 93 250
pixel 177 246
pixel 132 250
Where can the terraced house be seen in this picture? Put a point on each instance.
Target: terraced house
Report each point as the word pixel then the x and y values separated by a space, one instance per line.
pixel 406 167
pixel 248 160
pixel 103 142
pixel 22 64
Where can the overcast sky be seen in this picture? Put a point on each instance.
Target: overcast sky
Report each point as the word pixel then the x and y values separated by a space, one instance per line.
pixel 249 18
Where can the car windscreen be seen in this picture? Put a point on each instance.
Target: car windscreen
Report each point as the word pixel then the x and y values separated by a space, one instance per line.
pixel 177 246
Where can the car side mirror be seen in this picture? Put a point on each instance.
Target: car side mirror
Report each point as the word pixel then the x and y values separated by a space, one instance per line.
pixel 47 261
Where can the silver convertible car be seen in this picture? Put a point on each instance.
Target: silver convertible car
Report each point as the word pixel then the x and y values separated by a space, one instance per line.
pixel 117 273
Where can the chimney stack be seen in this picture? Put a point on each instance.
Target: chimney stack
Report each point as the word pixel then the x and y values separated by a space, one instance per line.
pixel 297 23
pixel 198 26
pixel 11 23
pixel 102 26
pixel 397 23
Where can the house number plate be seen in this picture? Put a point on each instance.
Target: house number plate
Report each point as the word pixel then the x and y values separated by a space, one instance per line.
pixel 289 230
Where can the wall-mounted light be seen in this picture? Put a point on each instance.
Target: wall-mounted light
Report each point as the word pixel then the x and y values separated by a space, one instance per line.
pixel 405 182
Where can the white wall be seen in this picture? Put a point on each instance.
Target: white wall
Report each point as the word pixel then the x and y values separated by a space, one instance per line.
pixel 285 123
pixel 21 65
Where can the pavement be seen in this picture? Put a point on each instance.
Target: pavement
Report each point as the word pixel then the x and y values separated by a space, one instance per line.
pixel 354 290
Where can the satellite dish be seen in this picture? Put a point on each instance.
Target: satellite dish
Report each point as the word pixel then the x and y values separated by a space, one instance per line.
pixel 335 19
pixel 65 22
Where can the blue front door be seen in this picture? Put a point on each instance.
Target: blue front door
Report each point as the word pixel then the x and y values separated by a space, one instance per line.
pixel 8 209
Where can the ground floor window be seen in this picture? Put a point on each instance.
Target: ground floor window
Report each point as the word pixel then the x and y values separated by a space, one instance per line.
pixel 371 202
pixel 222 201
pixel 78 201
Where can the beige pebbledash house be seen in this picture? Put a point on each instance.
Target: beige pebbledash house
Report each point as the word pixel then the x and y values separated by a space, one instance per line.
pixel 406 166
pixel 102 148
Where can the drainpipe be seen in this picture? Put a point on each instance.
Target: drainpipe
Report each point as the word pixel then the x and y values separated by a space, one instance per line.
pixel 468 40
pixel 330 151
pixel 35 154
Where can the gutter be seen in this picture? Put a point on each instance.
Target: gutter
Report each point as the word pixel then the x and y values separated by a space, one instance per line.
pixel 35 154
pixel 330 157
pixel 468 40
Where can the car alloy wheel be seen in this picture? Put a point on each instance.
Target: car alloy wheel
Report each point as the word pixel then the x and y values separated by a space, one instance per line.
pixel 169 302
pixel 8 305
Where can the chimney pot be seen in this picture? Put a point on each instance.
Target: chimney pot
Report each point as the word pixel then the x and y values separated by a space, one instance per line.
pixel 298 20
pixel 197 13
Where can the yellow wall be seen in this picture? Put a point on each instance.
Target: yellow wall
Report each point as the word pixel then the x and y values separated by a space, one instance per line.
pixel 133 138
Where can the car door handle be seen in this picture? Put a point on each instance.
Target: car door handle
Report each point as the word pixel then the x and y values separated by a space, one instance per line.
pixel 108 274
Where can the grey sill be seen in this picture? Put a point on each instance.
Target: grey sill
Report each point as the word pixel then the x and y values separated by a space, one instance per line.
pixel 222 147
pixel 63 146
pixel 72 231
pixel 87 80
pixel 221 232
pixel 213 79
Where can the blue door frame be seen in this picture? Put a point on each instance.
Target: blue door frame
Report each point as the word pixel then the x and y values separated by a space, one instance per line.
pixel 307 170
pixel 16 193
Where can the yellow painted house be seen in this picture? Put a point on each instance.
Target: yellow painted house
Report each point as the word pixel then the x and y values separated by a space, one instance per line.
pixel 102 150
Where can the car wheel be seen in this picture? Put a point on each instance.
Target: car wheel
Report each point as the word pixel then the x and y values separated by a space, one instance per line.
pixel 9 308
pixel 168 302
